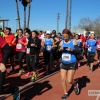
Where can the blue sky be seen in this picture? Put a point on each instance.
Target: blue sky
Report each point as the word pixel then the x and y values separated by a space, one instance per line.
pixel 44 13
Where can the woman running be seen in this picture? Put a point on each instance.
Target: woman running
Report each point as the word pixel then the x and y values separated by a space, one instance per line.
pixel 34 44
pixel 10 40
pixel 48 44
pixel 98 50
pixel 91 44
pixel 21 48
pixel 6 90
pixel 68 66
pixel 79 43
pixel 27 35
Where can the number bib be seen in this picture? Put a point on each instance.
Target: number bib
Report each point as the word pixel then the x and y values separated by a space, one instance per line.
pixel 48 48
pixel 19 46
pixel 89 49
pixel 66 57
pixel 98 46
pixel 28 50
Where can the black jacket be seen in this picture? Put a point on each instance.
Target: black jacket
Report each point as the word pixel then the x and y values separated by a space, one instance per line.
pixel 37 42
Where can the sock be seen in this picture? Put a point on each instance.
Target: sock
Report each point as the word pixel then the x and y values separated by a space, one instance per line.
pixel 66 93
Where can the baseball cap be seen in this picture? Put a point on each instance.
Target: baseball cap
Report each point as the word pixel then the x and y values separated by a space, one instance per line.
pixel 48 32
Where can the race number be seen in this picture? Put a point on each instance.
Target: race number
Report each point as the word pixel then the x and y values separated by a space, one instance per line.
pixel 66 57
pixel 89 49
pixel 98 46
pixel 48 48
pixel 19 46
pixel 28 50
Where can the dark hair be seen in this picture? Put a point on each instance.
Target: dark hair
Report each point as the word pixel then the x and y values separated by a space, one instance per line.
pixel 21 30
pixel 41 31
pixel 59 33
pixel 36 32
pixel 17 30
pixel 27 29
pixel 9 29
pixel 66 31
pixel 29 32
pixel 54 32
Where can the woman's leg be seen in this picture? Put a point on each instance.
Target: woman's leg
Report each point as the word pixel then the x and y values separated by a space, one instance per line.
pixel 33 64
pixel 70 75
pixel 28 62
pixel 63 78
pixel 20 58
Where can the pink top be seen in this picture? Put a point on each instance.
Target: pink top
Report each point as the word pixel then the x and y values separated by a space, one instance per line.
pixel 20 47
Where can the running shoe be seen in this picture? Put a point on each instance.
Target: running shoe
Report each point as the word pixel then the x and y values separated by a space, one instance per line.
pixel 34 77
pixel 64 97
pixel 16 95
pixel 78 64
pixel 76 89
pixel 23 71
pixel 28 74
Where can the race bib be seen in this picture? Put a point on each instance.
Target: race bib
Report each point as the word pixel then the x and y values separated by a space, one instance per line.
pixel 98 46
pixel 28 50
pixel 66 57
pixel 19 46
pixel 48 48
pixel 89 49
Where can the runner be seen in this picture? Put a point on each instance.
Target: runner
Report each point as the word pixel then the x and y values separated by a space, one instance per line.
pixel 27 35
pixel 98 50
pixel 10 39
pixel 79 43
pixel 21 48
pixel 91 44
pixel 69 49
pixel 6 90
pixel 34 44
pixel 48 44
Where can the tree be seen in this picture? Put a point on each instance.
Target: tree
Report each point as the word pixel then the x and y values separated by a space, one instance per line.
pixel 29 9
pixel 18 16
pixel 90 25
pixel 86 23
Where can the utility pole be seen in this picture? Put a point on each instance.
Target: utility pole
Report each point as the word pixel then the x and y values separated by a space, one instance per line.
pixel 17 19
pixel 68 14
pixel 58 17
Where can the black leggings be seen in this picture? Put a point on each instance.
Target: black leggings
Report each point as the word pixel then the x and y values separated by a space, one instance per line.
pixel 20 58
pixel 8 54
pixel 5 90
pixel 85 52
pixel 28 62
pixel 34 61
pixel 98 52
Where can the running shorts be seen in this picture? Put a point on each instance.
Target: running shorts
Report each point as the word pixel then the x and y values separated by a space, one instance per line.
pixel 72 66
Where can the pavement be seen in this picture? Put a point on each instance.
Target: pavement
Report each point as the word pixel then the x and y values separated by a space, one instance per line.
pixel 50 88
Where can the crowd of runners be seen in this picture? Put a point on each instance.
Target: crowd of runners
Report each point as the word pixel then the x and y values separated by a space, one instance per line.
pixel 60 51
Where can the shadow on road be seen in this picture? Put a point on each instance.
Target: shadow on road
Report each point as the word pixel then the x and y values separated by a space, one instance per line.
pixel 36 89
pixel 82 83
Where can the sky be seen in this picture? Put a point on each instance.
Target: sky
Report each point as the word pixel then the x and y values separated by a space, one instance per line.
pixel 44 13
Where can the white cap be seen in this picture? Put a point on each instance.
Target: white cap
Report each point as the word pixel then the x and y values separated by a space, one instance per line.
pixel 48 32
